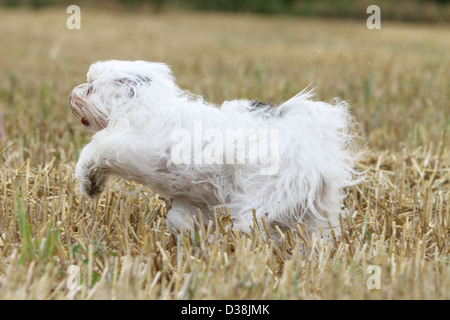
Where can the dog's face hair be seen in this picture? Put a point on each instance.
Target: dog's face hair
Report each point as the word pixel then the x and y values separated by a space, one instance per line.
pixel 111 85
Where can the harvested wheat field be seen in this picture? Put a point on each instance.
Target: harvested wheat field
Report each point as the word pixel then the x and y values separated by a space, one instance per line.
pixel 57 244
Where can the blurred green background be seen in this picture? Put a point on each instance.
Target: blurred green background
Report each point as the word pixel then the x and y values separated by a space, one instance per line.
pixel 403 10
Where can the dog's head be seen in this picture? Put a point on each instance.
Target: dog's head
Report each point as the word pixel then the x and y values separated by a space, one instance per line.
pixel 116 84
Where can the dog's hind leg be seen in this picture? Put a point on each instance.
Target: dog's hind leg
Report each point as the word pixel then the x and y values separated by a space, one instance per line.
pixel 183 217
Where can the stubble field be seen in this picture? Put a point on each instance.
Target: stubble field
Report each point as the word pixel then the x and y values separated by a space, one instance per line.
pixel 56 244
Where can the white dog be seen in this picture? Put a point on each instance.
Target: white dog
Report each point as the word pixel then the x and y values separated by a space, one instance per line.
pixel 288 164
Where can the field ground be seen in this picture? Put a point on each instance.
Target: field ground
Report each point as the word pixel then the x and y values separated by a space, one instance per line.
pixel 396 80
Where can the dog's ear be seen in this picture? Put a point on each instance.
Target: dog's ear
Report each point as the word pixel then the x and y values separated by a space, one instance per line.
pixel 134 82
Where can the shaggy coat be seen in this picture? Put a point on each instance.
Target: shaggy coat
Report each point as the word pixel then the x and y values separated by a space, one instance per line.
pixel 145 126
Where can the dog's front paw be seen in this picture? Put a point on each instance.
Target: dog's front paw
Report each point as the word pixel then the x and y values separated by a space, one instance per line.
pixel 94 183
pixel 92 179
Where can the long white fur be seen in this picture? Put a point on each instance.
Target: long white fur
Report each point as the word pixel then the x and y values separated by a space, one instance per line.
pixel 134 106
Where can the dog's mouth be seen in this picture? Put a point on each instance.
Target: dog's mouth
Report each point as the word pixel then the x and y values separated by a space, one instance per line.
pixel 84 121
